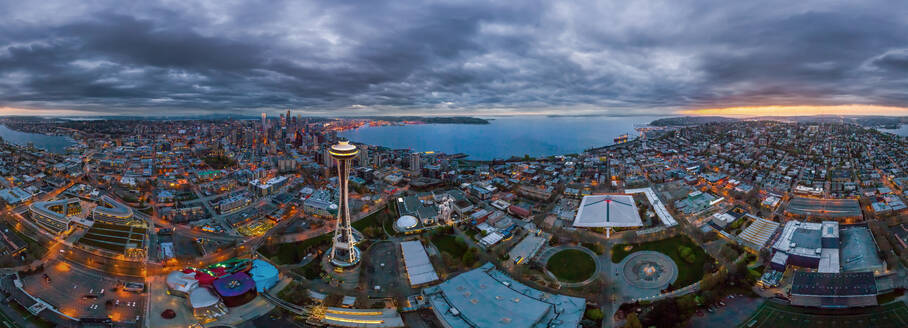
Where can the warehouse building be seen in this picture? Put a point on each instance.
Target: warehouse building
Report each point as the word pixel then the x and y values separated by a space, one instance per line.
pixel 859 251
pixel 808 245
pixel 826 209
pixel 833 290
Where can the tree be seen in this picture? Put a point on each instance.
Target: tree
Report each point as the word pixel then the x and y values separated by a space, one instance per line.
pixel 687 254
pixel 711 280
pixel 469 257
pixel 594 314
pixel 664 313
pixel 687 304
pixel 709 296
pixel 632 321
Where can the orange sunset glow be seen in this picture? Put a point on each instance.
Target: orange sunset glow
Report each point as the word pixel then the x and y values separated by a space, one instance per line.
pixel 800 110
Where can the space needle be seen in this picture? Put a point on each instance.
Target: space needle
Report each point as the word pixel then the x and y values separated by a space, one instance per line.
pixel 344 252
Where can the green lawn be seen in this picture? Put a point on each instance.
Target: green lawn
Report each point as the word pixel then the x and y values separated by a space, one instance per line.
pixel 388 225
pixel 450 244
pixel 688 272
pixel 293 253
pixel 773 315
pixel 571 265
pixel 312 270
pixel 890 296
pixel 471 232
pixel 596 248
pixel 374 220
pixel 371 226
pixel 34 247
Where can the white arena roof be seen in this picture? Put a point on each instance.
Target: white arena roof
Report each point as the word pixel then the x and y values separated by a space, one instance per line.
pixel 607 211
pixel 405 223
pixel 419 268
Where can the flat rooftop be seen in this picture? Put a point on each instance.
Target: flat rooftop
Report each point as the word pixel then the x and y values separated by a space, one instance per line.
pixel 859 251
pixel 526 248
pixel 824 208
pixel 110 207
pixel 803 238
pixel 486 297
pixel 419 268
pixel 833 284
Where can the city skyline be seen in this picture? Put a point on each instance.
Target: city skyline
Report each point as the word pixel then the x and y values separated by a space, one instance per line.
pixel 685 222
pixel 452 59
pixel 453 163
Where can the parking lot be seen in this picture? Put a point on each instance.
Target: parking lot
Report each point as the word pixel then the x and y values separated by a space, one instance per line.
pixel 383 268
pixel 82 293
pixel 736 310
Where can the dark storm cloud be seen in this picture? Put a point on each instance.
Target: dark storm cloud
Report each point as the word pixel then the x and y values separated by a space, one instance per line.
pixel 374 57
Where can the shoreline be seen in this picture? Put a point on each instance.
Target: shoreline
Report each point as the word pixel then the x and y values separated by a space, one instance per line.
pixel 69 139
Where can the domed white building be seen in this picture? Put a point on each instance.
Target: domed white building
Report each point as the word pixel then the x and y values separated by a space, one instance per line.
pixel 206 305
pixel 406 223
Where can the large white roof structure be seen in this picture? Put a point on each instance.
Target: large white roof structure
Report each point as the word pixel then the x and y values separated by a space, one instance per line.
pixel 657 204
pixel 486 297
pixel 405 223
pixel 419 268
pixel 202 298
pixel 607 211
pixel 759 232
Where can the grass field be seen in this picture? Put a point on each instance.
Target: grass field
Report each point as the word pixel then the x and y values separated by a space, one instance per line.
pixel 374 220
pixel 35 248
pixel 571 265
pixel 890 296
pixel 312 270
pixel 449 244
pixel 773 315
pixel 688 273
pixel 372 225
pixel 293 253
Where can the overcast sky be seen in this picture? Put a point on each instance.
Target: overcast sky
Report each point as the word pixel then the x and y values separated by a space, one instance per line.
pixel 441 58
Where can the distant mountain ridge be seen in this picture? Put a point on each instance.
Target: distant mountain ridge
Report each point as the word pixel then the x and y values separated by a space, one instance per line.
pixel 691 120
pixel 891 122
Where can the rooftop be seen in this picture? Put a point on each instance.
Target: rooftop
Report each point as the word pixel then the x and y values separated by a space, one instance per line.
pixel 486 297
pixel 859 251
pixel 419 268
pixel 802 238
pixel 825 208
pixel 608 211
pixel 833 284
pixel 759 232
